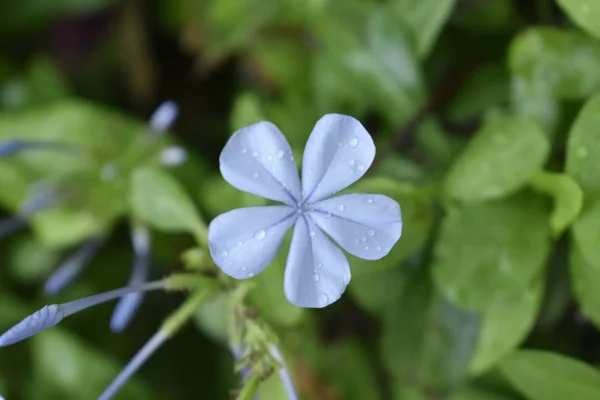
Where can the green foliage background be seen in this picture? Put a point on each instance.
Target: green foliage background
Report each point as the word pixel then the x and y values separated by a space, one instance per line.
pixel 486 117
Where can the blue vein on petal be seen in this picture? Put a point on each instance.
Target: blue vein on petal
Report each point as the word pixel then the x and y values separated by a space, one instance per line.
pixel 330 214
pixel 294 200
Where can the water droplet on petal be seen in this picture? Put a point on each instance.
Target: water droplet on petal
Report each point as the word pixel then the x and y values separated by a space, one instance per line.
pixel 239 244
pixel 341 207
pixel 312 233
pixel 364 239
pixel 371 232
pixel 255 175
pixel 328 215
pixel 340 144
pixel 280 154
pixel 255 154
pixel 351 162
pixel 366 247
pixel 224 253
pixel 251 274
pixel 353 142
pixel 316 277
pixel 378 248
pixel 361 168
pixel 370 200
pixel 323 299
pixel 244 151
pixel 319 265
pixel 260 234
pixel 269 157
pixel 356 241
pixel 346 281
pixel 244 269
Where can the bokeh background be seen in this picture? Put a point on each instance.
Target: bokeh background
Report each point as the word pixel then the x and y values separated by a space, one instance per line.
pixel 475 108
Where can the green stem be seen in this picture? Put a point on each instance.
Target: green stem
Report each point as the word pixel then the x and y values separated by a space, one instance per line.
pixel 184 313
pixel 249 389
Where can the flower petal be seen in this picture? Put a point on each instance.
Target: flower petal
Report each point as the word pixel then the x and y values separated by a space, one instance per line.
pixel 338 152
pixel 244 241
pixel 317 272
pixel 365 225
pixel 258 160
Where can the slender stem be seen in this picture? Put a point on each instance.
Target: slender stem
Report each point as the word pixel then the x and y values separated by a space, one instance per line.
pixel 288 384
pixel 134 365
pixel 183 314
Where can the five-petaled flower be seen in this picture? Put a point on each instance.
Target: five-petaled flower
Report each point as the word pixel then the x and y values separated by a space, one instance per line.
pixel 258 159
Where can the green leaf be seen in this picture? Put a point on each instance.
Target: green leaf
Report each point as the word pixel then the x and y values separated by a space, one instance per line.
pixel 583 148
pixel 489 252
pixel 585 13
pixel 374 290
pixel 246 110
pixel 541 375
pixel 487 16
pixel 426 18
pixel 427 342
pixel 268 296
pixel 161 201
pixel 63 361
pixel 585 279
pixel 213 317
pixel 218 196
pixel 30 261
pixel 568 198
pixel 586 231
pixel 417 219
pixel 504 326
pixel 563 61
pixel 487 88
pixel 473 393
pixel 498 161
pixel 534 99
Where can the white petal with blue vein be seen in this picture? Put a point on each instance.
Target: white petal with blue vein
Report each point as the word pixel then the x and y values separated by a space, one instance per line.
pixel 244 241
pixel 338 152
pixel 317 272
pixel 365 225
pixel 258 160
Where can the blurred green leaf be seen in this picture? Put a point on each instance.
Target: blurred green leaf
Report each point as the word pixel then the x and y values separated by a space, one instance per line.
pixel 585 13
pixel 272 388
pixel 585 279
pixel 374 290
pixel 568 198
pixel 534 99
pixel 499 160
pixel 160 200
pixel 218 196
pixel 504 326
pixel 213 317
pixel 489 252
pixel 488 87
pixel 246 110
pixel 417 219
pixel 427 343
pixel 268 296
pixel 71 369
pixel 426 18
pixel 586 231
pixel 542 375
pixel 441 148
pixel 473 393
pixel 488 16
pixel 583 148
pixel 30 261
pixel 563 61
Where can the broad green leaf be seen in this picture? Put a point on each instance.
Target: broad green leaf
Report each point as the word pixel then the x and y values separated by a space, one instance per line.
pixel 30 261
pixel 246 110
pixel 473 393
pixel 417 219
pixel 268 296
pixel 427 342
pixel 585 13
pixel 489 252
pixel 374 290
pixel 487 16
pixel 542 375
pixel 563 61
pixel 583 148
pixel 62 362
pixel 568 198
pixel 426 18
pixel 585 279
pixel 504 326
pixel 213 317
pixel 586 231
pixel 488 87
pixel 441 148
pixel 499 160
pixel 161 201
pixel 534 99
pixel 61 227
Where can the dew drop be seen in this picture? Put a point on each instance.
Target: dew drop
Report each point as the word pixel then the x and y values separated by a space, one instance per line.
pixel 366 247
pixel 316 278
pixel 341 207
pixel 239 244
pixel 323 299
pixel 280 154
pixel 291 158
pixel 356 241
pixel 312 233
pixel 364 239
pixel 351 162
pixel 255 175
pixel 346 281
pixel 361 168
pixel 244 151
pixel 370 200
pixel 328 215
pixel 224 253
pixel 353 142
pixel 340 144
pixel 260 234
pixel 244 269
pixel 371 232
pixel 251 274
pixel 255 154
pixel 269 157
pixel 319 265
pixel 378 248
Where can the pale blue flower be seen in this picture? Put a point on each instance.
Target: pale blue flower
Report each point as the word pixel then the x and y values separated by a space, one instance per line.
pixel 258 159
